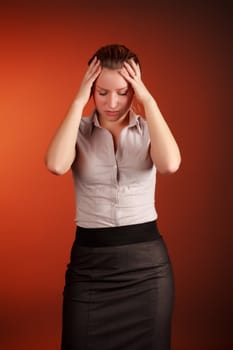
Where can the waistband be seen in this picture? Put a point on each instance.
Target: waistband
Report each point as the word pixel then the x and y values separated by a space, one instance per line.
pixel 117 235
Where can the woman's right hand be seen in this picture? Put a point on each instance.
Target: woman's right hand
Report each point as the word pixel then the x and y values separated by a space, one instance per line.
pixel 89 78
pixel 63 146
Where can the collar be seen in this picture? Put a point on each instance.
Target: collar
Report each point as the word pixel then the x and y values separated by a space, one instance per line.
pixel 134 121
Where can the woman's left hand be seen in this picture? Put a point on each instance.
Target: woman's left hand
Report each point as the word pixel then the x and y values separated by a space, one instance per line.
pixel 132 74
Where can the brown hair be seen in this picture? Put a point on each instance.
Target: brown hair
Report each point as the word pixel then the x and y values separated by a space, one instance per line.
pixel 113 56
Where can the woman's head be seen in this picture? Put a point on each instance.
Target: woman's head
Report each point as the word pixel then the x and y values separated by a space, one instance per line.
pixel 112 94
pixel 113 56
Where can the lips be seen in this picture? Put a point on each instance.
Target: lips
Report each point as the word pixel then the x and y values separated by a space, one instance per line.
pixel 111 112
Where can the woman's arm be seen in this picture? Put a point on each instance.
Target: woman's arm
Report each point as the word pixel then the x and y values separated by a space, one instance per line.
pixel 61 151
pixel 164 149
pixel 62 148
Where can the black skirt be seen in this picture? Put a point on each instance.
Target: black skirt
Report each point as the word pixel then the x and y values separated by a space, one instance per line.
pixel 119 290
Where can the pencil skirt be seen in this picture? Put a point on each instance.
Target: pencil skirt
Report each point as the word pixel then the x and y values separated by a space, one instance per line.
pixel 119 290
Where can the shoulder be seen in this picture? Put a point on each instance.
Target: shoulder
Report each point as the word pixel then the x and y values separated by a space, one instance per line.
pixel 142 122
pixel 139 122
pixel 86 124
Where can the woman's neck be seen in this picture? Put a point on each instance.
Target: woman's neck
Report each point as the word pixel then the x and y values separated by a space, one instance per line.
pixel 113 125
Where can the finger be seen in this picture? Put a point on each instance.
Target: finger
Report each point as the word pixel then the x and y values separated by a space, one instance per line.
pixel 135 65
pixel 125 74
pixel 93 69
pixel 94 65
pixel 130 69
pixel 93 61
pixel 97 73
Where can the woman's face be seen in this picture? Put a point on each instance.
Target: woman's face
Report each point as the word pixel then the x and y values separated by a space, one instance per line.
pixel 112 95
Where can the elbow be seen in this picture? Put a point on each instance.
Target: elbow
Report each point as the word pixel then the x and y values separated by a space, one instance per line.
pixel 170 167
pixel 55 168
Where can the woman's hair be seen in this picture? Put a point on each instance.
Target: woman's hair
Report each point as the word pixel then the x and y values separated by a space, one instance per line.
pixel 113 56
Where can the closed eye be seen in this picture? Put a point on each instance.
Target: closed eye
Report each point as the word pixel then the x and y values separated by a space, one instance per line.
pixel 123 93
pixel 119 92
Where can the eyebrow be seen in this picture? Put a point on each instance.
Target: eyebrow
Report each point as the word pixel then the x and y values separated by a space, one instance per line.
pixel 122 88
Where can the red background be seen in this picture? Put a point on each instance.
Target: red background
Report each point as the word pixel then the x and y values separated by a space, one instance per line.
pixel 186 60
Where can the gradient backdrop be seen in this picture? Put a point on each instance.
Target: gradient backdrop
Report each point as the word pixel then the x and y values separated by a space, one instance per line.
pixel 186 58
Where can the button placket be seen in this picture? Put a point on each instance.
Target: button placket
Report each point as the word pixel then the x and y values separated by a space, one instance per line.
pixel 115 185
pixel 115 175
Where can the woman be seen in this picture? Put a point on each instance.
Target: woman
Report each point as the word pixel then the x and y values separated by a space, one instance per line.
pixel 118 293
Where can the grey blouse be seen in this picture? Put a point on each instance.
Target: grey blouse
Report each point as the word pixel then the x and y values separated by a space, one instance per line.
pixel 113 188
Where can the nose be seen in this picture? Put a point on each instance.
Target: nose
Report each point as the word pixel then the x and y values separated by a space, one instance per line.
pixel 112 100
